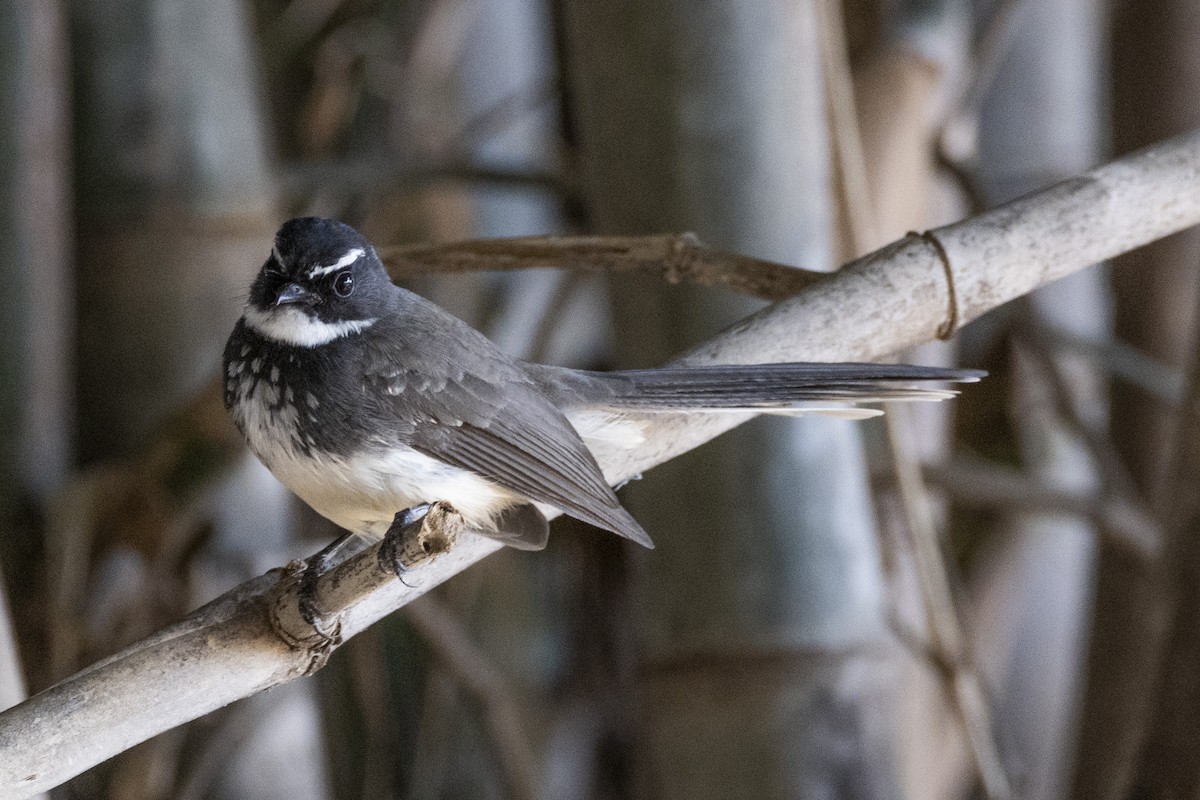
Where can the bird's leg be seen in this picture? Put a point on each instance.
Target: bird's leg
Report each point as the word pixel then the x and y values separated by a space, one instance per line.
pixel 314 568
pixel 392 546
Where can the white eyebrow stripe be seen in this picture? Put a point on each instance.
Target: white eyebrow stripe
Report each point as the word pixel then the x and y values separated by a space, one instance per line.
pixel 352 255
pixel 275 255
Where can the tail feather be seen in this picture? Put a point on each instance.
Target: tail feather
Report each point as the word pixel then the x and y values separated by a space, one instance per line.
pixel 782 387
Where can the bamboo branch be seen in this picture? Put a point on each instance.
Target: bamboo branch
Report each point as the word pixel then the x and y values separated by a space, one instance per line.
pixel 675 258
pixel 891 299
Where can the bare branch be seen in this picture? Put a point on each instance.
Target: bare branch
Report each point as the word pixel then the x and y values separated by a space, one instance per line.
pixel 675 258
pixel 884 302
pixel 247 640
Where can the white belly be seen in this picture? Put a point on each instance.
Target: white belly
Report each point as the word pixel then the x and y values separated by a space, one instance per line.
pixel 363 493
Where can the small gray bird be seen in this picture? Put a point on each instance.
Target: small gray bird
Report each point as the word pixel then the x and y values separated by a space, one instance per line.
pixel 365 400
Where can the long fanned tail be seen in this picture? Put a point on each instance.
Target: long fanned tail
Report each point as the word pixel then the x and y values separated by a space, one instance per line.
pixel 776 388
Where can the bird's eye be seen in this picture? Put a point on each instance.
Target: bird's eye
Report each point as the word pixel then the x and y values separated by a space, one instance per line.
pixel 343 284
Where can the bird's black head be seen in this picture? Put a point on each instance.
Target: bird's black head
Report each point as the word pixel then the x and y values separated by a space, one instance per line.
pixel 322 281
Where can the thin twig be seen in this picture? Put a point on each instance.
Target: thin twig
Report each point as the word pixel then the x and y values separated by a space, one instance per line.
pixel 1123 361
pixel 502 114
pixel 976 483
pixel 555 312
pixel 474 671
pixel 989 52
pixel 946 637
pixel 851 162
pixel 675 258
pixel 1114 474
pixel 379 174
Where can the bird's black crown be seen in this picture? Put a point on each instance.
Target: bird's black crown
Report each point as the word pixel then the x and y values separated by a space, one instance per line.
pixel 324 267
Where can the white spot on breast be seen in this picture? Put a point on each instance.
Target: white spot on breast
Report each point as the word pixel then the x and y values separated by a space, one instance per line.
pixel 274 374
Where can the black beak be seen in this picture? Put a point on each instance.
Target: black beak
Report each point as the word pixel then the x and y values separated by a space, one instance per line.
pixel 293 294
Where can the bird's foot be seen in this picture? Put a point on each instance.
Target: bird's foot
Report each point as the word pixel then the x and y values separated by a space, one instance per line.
pixel 391 549
pixel 417 534
pixel 314 568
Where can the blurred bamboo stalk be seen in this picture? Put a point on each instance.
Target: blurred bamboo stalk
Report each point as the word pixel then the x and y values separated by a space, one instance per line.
pixel 1155 288
pixel 730 140
pixel 1137 733
pixel 1166 764
pixel 35 318
pixel 175 196
pixel 12 678
pixel 35 327
pixel 1040 122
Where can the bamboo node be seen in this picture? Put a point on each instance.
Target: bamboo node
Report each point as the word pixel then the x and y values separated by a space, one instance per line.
pixel 680 257
pixel 950 324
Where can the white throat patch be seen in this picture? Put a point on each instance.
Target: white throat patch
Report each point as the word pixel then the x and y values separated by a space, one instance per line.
pixel 293 326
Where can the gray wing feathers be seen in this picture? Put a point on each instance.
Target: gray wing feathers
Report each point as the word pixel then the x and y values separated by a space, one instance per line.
pixel 560 471
pixel 486 415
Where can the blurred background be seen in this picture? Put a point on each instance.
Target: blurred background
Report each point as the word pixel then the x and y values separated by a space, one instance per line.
pixel 804 629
